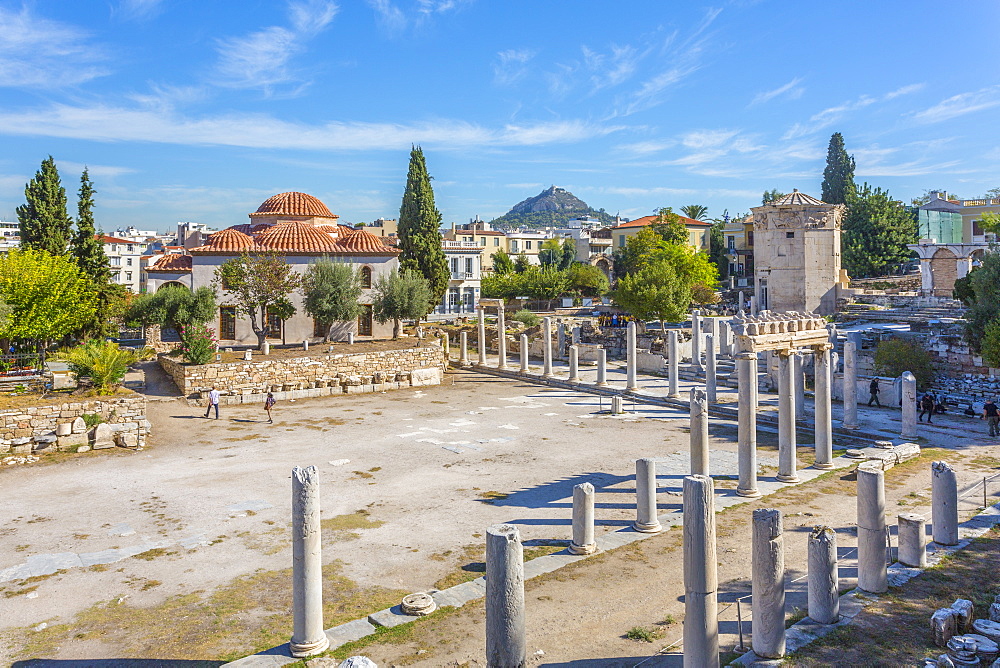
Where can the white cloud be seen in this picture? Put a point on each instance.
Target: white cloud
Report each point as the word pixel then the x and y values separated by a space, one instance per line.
pixel 36 52
pixel 511 65
pixel 913 168
pixel 117 124
pixel 69 169
pixel 263 58
pixel 959 105
pixel 646 147
pixel 138 10
pixel 389 15
pixel 831 115
pixel 791 89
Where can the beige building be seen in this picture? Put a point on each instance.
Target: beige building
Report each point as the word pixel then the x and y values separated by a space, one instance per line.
pixel 698 231
pixel 478 232
pixel 797 254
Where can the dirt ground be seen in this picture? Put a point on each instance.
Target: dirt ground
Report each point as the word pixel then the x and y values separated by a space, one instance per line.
pixel 410 480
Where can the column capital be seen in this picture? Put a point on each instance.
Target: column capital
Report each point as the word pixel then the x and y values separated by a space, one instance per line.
pixel 746 356
pixel 820 348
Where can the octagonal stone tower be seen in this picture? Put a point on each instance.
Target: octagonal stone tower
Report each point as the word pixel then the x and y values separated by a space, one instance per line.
pixel 797 254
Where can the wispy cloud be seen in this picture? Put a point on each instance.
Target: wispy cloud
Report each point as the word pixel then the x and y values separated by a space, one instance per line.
pixel 117 124
pixel 511 65
pixel 68 168
pixel 792 90
pixel 959 105
pixel 263 58
pixel 646 147
pixel 36 52
pixel 396 18
pixel 831 115
pixel 138 10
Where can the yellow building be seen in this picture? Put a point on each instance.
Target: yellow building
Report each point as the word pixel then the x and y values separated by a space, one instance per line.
pixel 479 233
pixel 698 231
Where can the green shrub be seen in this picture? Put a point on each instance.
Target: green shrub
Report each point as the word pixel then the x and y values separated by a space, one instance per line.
pixel 991 344
pixel 198 344
pixel 103 362
pixel 894 356
pixel 527 317
pixel 92 419
pixel 643 634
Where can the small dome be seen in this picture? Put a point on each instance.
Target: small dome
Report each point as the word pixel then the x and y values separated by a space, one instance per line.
pixel 293 204
pixel 229 239
pixel 360 241
pixel 172 262
pixel 296 237
pixel 795 198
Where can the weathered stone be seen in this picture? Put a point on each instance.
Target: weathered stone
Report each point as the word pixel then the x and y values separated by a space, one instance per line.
pixel 994 612
pixel 357 662
pixel 83 448
pixel 506 638
pixel 418 604
pixel 701 579
pixel 308 637
pixel 103 436
pixel 64 429
pixel 420 377
pixel 943 626
pixel 768 584
pixel 912 540
pixel 988 628
pixel 824 582
pixel 124 439
pixel 72 442
pixel 964 615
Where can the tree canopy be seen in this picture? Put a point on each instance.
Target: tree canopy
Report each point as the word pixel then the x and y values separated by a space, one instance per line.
pixel 86 249
pixel 173 307
pixel 654 292
pixel 838 176
pixel 43 220
pixel 419 236
pixel 696 211
pixel 772 195
pixel 670 227
pixel 256 284
pixel 502 264
pixel 876 230
pixel 331 290
pixel 984 300
pixel 401 295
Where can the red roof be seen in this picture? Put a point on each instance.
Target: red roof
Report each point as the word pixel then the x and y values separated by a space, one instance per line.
pixel 363 242
pixel 296 237
pixel 293 204
pixel 228 240
pixel 172 262
pixel 104 239
pixel 649 220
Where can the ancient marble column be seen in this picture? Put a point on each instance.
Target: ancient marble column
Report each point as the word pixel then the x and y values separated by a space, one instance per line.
pixel 482 337
pixel 725 339
pixel 909 406
pixel 646 519
pixel 800 386
pixel 824 581
pixel 912 540
pixel 506 639
pixel 350 338
pixel 710 378
pixel 872 574
pixel 746 439
pixel 305 344
pixel 742 301
pixel 699 432
pixel 701 578
pixel 560 340
pixel 602 367
pixel 574 365
pixel 944 504
pixel 630 378
pixel 768 584
pixel 786 419
pixel 308 637
pixel 463 339
pixel 583 520
pixel 501 339
pixel 524 353
pixel 850 386
pixel 696 341
pixel 823 411
pixel 753 305
pixel 673 363
pixel 266 348
pixel 547 347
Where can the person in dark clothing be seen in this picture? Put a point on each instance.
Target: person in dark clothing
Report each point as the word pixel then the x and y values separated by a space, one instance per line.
pixel 992 416
pixel 873 391
pixel 927 408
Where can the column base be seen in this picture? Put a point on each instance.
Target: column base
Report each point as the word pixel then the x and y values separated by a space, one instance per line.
pixel 822 466
pixel 502 367
pixel 573 380
pixel 787 478
pixel 631 388
pixel 913 435
pixel 647 528
pixel 589 548
pixel 300 650
pixel 749 493
pixel 604 384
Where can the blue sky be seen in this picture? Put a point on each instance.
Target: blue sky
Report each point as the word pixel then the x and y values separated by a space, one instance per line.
pixel 199 111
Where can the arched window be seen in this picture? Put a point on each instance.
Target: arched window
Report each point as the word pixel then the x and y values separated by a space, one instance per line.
pixel 366 277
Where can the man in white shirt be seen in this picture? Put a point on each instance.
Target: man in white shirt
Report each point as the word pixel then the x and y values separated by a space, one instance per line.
pixel 213 400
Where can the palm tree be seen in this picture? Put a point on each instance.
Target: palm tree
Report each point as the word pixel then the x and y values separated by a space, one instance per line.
pixel 696 211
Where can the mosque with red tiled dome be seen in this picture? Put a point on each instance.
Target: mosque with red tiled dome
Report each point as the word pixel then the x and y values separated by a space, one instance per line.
pixel 301 229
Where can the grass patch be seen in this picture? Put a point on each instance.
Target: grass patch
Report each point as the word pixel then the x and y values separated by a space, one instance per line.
pixel 470 565
pixel 546 548
pixel 493 495
pixel 359 519
pixel 149 555
pixel 643 634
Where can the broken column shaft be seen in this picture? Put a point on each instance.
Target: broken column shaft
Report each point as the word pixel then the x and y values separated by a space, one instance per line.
pixel 909 427
pixel 872 575
pixel 912 540
pixel 547 347
pixel 786 419
pixel 646 519
pixel 308 637
pixel 506 640
pixel 699 432
pixel 768 585
pixel 824 581
pixel 501 340
pixel 630 377
pixel 673 363
pixel 850 385
pixel 701 580
pixel 944 504
pixel 746 439
pixel 583 520
pixel 822 412
pixel 710 374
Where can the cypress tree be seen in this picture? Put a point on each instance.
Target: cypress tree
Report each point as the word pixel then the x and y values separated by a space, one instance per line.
pixel 419 236
pixel 838 177
pixel 86 249
pixel 43 220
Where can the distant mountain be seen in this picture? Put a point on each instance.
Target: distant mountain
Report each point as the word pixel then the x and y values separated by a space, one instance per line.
pixel 551 207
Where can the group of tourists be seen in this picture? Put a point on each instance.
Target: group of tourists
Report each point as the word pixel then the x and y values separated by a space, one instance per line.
pixel 930 403
pixel 213 402
pixel 615 320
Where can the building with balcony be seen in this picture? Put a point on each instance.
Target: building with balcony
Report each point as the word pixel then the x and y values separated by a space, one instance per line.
pixel 465 268
pixel 125 260
pixel 478 231
pixel 10 235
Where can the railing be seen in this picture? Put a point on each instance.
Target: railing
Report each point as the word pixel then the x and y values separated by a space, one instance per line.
pixel 15 365
pixel 462 275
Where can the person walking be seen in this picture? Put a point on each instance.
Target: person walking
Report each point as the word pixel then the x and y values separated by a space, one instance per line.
pixel 213 400
pixel 268 405
pixel 992 416
pixel 873 391
pixel 927 408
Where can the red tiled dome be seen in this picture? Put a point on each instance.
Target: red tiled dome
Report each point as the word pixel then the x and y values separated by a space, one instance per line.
pixel 329 229
pixel 293 204
pixel 229 239
pixel 360 241
pixel 296 237
pixel 172 262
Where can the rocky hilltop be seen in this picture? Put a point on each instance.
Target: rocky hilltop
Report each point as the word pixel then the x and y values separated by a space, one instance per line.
pixel 551 207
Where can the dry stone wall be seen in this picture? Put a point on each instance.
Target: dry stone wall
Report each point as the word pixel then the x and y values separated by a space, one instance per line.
pixel 48 428
pixel 313 375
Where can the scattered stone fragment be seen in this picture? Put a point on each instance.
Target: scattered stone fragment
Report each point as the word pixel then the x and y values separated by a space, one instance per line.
pixel 964 614
pixel 943 626
pixel 418 604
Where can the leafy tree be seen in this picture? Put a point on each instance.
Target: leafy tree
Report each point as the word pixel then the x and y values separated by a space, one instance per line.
pixel 587 280
pixel 670 226
pixel 502 264
pixel 568 253
pixel 636 252
pixel 5 313
pixel 418 232
pixel 550 253
pixel 545 283
pixel 47 295
pixel 990 223
pixel 963 290
pixel 521 263
pixel 86 248
pixel 401 295
pixel 696 211
pixel 256 284
pixel 875 233
pixel 703 294
pixel 772 195
pixel 717 248
pixel 991 344
pixel 690 265
pixel 174 307
pixel 654 292
pixel 984 304
pixel 838 177
pixel 895 356
pixel 331 290
pixel 43 220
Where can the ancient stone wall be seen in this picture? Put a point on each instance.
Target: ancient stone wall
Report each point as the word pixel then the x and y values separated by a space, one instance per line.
pixel 60 426
pixel 367 371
